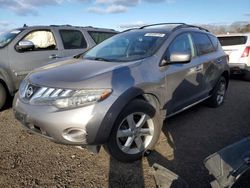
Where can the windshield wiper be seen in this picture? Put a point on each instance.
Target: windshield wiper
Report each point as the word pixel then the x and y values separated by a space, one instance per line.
pixel 100 59
pixel 78 55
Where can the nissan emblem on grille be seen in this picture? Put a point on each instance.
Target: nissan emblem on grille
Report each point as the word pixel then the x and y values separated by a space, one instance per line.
pixel 29 92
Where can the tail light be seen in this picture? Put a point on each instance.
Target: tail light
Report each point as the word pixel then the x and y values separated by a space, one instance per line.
pixel 246 52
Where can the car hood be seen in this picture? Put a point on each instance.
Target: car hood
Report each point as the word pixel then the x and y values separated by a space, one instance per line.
pixel 76 73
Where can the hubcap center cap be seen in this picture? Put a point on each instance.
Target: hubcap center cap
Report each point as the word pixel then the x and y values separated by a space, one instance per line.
pixel 136 131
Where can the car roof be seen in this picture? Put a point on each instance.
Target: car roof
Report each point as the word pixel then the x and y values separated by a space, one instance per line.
pixel 87 28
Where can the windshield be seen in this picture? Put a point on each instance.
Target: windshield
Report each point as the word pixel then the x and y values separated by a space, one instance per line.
pixel 129 46
pixel 7 37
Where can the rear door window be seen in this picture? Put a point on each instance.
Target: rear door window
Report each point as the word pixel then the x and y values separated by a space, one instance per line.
pixel 73 39
pixel 232 40
pixel 98 36
pixel 203 43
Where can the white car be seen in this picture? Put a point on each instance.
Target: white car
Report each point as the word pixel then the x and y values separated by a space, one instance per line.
pixel 237 46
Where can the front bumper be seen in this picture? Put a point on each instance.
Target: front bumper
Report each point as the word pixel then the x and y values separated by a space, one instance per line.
pixel 238 68
pixel 70 127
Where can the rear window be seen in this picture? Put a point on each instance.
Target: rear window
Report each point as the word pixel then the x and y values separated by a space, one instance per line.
pixel 73 39
pixel 232 40
pixel 98 36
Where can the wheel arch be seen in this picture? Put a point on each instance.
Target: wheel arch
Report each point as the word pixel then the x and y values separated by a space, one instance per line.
pixel 114 111
pixel 5 86
pixel 7 82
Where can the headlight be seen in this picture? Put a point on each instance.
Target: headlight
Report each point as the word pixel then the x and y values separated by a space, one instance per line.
pixel 82 98
pixel 61 98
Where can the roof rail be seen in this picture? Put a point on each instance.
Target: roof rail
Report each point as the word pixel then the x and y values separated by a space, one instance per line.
pixel 67 25
pixel 179 26
pixel 142 27
pixel 187 25
pixel 150 25
pixel 130 29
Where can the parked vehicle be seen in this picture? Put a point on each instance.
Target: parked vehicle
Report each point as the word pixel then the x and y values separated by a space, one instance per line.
pixel 237 46
pixel 118 94
pixel 234 163
pixel 27 48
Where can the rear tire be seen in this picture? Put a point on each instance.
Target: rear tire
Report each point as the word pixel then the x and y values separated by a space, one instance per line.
pixel 136 130
pixel 3 96
pixel 218 94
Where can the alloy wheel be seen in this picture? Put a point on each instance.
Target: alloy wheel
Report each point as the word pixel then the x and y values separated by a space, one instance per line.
pixel 221 92
pixel 135 133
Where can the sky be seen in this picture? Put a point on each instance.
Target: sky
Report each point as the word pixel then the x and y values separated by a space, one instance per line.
pixel 120 14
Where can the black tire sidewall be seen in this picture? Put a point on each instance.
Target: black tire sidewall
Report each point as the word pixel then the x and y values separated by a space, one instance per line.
pixel 134 106
pixel 3 96
pixel 212 101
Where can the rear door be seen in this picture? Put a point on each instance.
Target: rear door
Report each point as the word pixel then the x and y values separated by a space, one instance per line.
pixel 73 42
pixel 210 57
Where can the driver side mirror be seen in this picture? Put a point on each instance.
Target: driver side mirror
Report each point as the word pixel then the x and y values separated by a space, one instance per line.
pixel 177 58
pixel 25 45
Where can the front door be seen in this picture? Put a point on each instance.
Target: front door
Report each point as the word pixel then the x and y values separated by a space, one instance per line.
pixel 184 82
pixel 44 50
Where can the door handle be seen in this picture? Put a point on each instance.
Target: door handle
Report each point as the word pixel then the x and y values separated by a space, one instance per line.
pixel 199 68
pixel 54 56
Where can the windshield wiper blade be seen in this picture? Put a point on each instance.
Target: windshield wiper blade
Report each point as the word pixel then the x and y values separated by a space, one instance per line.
pixel 78 55
pixel 101 59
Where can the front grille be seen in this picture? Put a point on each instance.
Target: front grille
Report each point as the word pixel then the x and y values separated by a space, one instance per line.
pixel 32 92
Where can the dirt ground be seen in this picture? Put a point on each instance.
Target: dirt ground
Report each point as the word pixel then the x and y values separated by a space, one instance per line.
pixel 28 160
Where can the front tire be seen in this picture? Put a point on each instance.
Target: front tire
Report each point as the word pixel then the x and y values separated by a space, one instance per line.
pixel 3 96
pixel 218 94
pixel 136 130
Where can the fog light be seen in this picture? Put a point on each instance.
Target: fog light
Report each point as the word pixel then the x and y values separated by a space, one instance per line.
pixel 75 135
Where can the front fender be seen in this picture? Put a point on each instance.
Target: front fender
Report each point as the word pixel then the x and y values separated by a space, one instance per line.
pixel 107 123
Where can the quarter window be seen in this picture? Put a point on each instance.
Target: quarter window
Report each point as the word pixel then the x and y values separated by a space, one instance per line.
pixel 73 39
pixel 42 40
pixel 214 41
pixel 98 37
pixel 203 43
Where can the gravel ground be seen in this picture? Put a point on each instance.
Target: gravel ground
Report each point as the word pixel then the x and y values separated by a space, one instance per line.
pixel 28 160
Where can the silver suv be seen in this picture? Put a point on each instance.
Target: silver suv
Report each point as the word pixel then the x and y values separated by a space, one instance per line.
pixel 27 48
pixel 118 93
